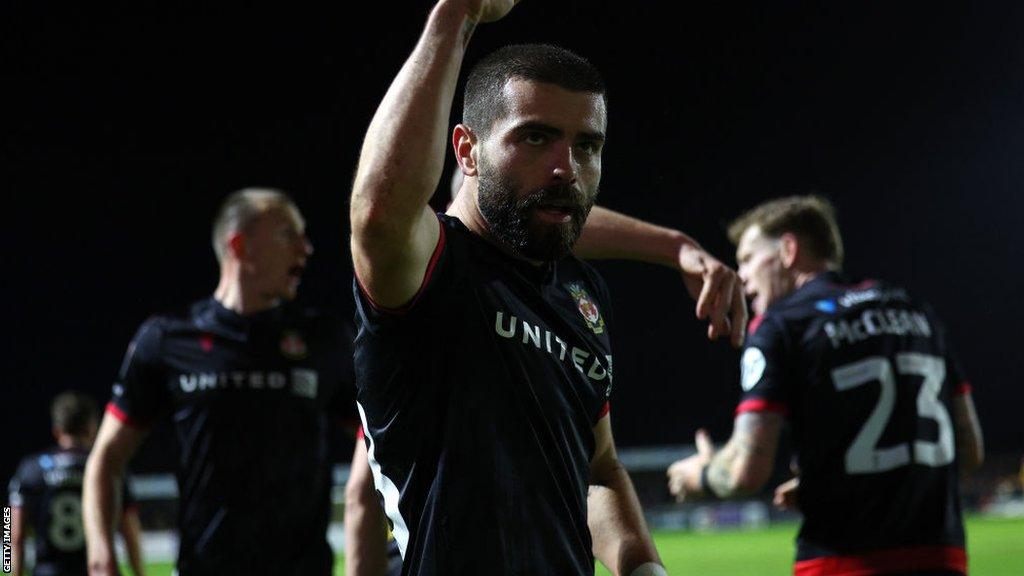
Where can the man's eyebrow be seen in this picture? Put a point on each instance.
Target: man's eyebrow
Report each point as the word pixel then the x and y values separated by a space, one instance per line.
pixel 537 127
pixel 531 126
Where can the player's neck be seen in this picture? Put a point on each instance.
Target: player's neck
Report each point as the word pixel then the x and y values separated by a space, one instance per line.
pixel 802 277
pixel 232 295
pixel 466 209
pixel 68 442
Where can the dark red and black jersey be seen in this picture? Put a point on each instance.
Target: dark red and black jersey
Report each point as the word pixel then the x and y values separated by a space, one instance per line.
pixel 249 397
pixel 866 378
pixel 479 401
pixel 48 489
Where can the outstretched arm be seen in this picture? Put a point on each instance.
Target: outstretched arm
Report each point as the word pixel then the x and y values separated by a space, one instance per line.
pixel 739 469
pixel 394 232
pixel 715 287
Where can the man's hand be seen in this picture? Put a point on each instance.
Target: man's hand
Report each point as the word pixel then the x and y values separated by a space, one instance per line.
pixel 786 494
pixel 684 475
pixel 103 562
pixel 718 292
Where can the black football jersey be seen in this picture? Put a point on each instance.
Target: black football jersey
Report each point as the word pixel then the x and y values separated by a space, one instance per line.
pixel 249 397
pixel 48 489
pixel 479 401
pixel 866 378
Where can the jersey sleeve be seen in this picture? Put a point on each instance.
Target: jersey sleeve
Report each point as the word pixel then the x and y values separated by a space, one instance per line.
pixel 24 485
pixel 373 311
pixel 763 370
pixel 139 393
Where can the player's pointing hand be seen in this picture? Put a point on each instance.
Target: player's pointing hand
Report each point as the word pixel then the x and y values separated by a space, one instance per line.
pixel 718 291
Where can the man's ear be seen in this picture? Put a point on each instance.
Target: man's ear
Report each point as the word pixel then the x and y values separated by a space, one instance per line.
pixel 464 142
pixel 236 246
pixel 789 249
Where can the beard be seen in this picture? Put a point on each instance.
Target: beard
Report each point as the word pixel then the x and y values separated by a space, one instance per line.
pixel 510 216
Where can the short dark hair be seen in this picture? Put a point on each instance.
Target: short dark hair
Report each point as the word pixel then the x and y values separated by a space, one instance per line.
pixel 812 219
pixel 240 208
pixel 73 412
pixel 483 102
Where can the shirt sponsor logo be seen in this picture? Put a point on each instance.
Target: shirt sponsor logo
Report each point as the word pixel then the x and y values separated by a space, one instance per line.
pixel 587 308
pixel 586 363
pixel 851 299
pixel 304 381
pixel 877 322
pixel 752 366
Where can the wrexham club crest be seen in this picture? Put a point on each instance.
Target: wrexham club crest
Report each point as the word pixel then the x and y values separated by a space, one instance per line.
pixel 587 308
pixel 293 346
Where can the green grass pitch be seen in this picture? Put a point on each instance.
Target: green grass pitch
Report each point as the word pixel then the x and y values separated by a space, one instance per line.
pixel 995 548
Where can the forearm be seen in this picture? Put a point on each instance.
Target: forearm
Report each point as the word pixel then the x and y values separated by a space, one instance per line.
pixel 99 509
pixel 724 474
pixel 402 157
pixel 365 538
pixel 745 463
pixel 612 235
pixel 132 531
pixel 621 539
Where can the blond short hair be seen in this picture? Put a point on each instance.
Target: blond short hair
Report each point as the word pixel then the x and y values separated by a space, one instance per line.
pixel 240 208
pixel 812 219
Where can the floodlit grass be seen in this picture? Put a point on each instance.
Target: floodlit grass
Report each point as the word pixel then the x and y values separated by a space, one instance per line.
pixel 995 548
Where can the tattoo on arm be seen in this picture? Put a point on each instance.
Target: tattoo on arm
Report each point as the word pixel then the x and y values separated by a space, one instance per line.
pixel 752 445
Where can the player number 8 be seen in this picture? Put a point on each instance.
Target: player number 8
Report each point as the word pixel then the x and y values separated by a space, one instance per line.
pixel 864 456
pixel 66 531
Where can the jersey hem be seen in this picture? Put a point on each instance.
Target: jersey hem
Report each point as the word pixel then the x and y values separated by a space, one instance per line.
pixel 885 561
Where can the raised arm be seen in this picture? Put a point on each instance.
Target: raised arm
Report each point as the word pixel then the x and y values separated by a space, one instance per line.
pixel 739 469
pixel 394 232
pixel 115 443
pixel 715 287
pixel 622 541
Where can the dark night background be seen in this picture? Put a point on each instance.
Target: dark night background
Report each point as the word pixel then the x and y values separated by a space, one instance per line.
pixel 125 127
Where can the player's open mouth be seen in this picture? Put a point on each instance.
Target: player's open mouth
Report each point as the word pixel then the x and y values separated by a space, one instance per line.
pixel 296 271
pixel 555 213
